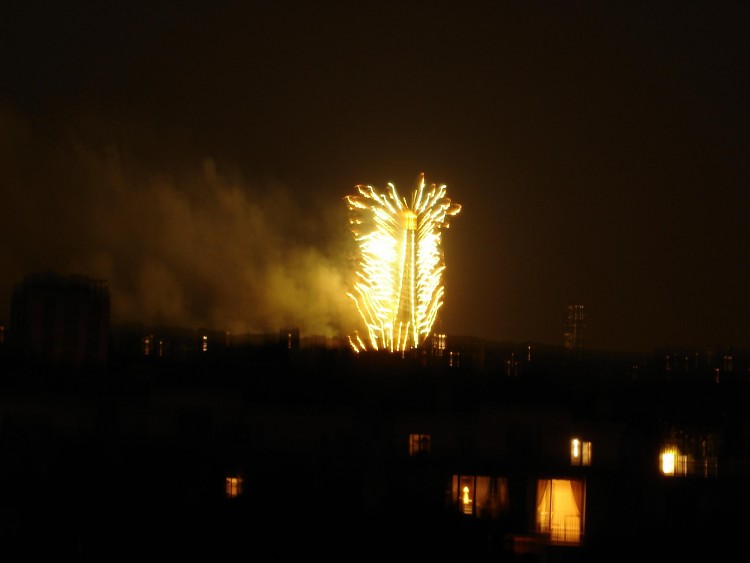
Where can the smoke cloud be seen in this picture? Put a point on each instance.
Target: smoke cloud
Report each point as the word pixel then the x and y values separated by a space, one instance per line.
pixel 190 245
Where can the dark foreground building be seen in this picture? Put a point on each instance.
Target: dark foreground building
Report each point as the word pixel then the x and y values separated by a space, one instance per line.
pixel 60 321
pixel 285 452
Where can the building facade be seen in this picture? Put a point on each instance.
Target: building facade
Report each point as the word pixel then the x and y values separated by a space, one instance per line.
pixel 60 321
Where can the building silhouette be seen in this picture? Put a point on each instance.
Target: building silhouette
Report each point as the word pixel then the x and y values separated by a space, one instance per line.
pixel 471 451
pixel 60 321
pixel 574 331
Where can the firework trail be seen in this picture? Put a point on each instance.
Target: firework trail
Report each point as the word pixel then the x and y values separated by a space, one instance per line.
pixel 398 288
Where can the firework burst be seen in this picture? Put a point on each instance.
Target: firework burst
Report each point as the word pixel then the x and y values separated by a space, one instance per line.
pixel 398 288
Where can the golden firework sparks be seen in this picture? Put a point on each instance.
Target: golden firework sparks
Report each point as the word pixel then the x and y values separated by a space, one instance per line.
pixel 398 288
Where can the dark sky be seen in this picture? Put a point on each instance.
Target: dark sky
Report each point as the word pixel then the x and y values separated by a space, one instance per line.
pixel 196 155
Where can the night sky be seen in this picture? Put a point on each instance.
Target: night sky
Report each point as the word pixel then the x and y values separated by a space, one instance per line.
pixel 196 155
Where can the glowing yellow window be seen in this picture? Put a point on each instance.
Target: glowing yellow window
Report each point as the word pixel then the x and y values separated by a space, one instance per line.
pixel 667 462
pixel 560 511
pixel 672 462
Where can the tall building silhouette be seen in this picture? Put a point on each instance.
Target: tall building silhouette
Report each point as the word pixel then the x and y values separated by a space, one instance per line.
pixel 574 333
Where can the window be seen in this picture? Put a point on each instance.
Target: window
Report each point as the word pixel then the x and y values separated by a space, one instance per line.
pixel 667 462
pixel 438 344
pixel 580 452
pixel 673 462
pixel 419 443
pixel 485 497
pixel 689 454
pixel 233 486
pixel 560 509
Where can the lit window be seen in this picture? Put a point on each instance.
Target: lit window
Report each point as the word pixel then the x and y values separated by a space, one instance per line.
pixel 668 461
pixel 481 496
pixel 586 453
pixel 693 456
pixel 466 499
pixel 580 452
pixel 438 344
pixel 463 487
pixel 560 509
pixel 418 443
pixel 233 486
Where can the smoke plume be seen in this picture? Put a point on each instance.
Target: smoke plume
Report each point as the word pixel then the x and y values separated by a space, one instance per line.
pixel 191 244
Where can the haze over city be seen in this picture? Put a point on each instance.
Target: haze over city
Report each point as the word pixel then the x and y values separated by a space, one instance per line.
pixel 197 156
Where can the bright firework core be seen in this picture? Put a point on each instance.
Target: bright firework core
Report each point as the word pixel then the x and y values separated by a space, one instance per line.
pixel 398 287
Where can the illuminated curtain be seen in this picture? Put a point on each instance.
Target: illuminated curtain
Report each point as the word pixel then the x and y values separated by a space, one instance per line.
pixel 497 497
pixel 560 509
pixel 482 494
pixel 577 489
pixel 488 495
pixel 566 510
pixel 543 504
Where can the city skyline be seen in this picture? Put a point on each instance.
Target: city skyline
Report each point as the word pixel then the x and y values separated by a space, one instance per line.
pixel 197 156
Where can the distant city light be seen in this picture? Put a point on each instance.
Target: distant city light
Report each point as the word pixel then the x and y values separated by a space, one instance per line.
pixel 398 290
pixel 668 462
